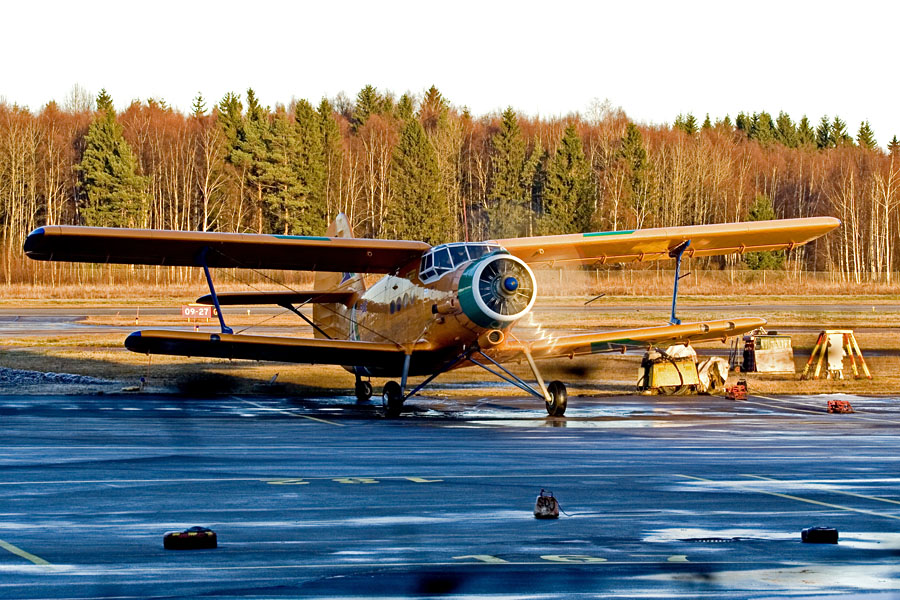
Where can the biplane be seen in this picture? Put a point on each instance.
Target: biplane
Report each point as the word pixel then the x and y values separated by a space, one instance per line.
pixel 435 308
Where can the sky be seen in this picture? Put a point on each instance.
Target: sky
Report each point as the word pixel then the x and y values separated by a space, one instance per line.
pixel 655 60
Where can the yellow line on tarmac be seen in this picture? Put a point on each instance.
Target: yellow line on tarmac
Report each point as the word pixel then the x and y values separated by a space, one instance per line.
pixel 819 486
pixel 789 497
pixel 287 412
pixel 19 552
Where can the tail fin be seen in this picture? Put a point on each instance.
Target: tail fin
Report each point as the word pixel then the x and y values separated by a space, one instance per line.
pixel 335 319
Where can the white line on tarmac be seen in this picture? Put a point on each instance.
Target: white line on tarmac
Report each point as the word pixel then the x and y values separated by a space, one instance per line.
pixel 287 412
pixel 790 497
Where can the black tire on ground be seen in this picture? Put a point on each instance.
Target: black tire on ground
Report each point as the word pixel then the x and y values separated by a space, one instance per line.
pixel 363 391
pixel 556 406
pixel 392 399
pixel 195 538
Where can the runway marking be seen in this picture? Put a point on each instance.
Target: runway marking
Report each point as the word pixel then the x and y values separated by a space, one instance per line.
pixel 355 480
pixel 580 559
pixel 422 480
pixel 485 558
pixel 26 555
pixel 790 497
pixel 817 412
pixel 287 482
pixel 824 487
pixel 287 412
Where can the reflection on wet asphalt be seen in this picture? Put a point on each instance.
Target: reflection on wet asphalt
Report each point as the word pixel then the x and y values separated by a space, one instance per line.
pixel 323 497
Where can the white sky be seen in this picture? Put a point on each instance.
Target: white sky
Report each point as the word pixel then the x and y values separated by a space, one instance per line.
pixel 549 57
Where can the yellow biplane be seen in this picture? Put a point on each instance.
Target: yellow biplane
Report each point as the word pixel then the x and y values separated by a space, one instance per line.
pixel 436 308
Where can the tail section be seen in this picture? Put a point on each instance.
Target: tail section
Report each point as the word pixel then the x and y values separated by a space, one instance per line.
pixel 336 319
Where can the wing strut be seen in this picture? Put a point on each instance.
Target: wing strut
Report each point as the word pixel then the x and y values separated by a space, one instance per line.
pixel 676 253
pixel 212 290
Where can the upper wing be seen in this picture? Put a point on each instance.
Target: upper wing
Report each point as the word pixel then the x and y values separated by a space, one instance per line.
pixel 280 349
pixel 594 343
pixel 655 244
pixel 242 250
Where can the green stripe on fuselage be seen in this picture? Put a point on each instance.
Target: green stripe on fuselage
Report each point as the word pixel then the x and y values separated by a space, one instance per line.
pixel 599 233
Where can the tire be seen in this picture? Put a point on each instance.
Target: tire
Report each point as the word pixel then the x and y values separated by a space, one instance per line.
pixel 363 391
pixel 556 406
pixel 392 399
pixel 195 538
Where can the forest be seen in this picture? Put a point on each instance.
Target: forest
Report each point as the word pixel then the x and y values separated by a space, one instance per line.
pixel 421 167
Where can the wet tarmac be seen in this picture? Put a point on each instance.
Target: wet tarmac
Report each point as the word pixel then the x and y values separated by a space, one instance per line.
pixel 322 497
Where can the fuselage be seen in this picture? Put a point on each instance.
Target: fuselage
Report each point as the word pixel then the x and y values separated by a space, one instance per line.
pixel 446 302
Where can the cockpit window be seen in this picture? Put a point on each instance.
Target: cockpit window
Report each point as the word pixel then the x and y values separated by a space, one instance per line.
pixel 448 257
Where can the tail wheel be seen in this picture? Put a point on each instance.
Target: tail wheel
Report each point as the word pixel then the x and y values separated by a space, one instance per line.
pixel 363 391
pixel 392 399
pixel 556 405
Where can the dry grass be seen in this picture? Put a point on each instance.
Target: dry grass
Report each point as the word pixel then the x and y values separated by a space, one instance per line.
pixel 102 355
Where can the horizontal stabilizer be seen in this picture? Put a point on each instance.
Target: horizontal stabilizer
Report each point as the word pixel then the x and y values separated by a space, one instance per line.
pixel 240 250
pixel 278 298
pixel 279 349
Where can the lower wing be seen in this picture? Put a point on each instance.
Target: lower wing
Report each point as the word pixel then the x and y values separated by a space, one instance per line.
pixel 280 349
pixel 595 343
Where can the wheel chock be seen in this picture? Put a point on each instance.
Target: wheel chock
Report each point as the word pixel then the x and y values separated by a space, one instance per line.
pixel 819 535
pixel 840 407
pixel 546 507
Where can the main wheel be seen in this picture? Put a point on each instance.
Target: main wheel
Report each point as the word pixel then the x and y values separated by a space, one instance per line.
pixel 363 390
pixel 392 399
pixel 556 405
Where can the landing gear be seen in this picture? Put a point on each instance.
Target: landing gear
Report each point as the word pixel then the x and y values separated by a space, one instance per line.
pixel 557 399
pixel 392 399
pixel 363 390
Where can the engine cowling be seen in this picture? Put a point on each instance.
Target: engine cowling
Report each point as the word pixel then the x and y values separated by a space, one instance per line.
pixel 497 290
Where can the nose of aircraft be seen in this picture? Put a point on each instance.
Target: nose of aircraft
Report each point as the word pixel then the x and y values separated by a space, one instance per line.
pixel 510 284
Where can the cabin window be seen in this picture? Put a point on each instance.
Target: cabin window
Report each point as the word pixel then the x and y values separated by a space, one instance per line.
pixel 449 257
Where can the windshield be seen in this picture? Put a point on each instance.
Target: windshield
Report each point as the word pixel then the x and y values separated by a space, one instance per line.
pixel 448 257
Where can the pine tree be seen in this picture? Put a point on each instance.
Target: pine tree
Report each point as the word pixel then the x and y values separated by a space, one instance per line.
pixel 332 157
pixel 763 210
pixel 743 123
pixel 762 129
pixel 824 137
pixel 198 106
pixel 635 156
pixel 508 200
pixel 806 135
pixel 568 192
pixel 866 137
pixel 785 131
pixel 686 123
pixel 707 124
pixel 419 210
pixel 282 190
pixel 113 193
pixel 433 111
pixel 894 146
pixel 839 133
pixel 405 108
pixel 368 103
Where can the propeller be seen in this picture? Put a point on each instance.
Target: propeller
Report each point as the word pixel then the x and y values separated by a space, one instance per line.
pixel 497 290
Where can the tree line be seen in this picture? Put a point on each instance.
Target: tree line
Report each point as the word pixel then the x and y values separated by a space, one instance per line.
pixel 422 168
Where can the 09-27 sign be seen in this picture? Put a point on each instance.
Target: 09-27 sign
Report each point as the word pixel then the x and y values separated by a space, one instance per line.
pixel 198 311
